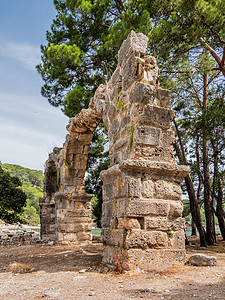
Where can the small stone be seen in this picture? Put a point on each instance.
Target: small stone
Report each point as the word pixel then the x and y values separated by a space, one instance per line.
pixel 202 260
pixel 147 290
pixel 82 270
pixel 92 293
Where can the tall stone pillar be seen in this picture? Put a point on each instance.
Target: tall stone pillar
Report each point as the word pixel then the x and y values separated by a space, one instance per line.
pixel 142 225
pixel 47 205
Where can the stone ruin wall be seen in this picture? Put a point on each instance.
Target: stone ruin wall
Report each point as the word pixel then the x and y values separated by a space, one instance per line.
pixel 142 224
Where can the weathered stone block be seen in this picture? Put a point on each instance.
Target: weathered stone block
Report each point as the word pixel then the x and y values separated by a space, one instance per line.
pixel 137 42
pixel 142 93
pixel 143 208
pixel 176 209
pixel 146 239
pixel 164 97
pixel 157 223
pixel 131 223
pixel 116 79
pixel 177 224
pixel 167 190
pixel 146 135
pixel 177 241
pixel 147 188
pixel 108 191
pixel 129 72
pixel 113 237
pixel 156 116
pixel 152 259
pixel 70 237
pixel 126 187
pixel 133 187
pixel 83 236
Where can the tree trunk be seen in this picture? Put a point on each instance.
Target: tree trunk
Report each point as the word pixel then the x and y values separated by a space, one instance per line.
pixel 219 197
pixel 194 205
pixel 208 201
pixel 193 228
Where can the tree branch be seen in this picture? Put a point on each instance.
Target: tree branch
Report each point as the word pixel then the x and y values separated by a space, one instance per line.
pixel 223 58
pixel 92 19
pixel 214 54
pixel 117 5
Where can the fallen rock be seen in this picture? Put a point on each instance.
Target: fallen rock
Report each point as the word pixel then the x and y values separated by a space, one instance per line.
pixel 202 260
pixel 20 268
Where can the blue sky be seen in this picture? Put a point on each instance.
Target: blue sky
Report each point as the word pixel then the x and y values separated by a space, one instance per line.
pixel 29 126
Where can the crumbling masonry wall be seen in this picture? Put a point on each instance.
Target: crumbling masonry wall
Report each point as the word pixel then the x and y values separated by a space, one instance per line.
pixel 142 224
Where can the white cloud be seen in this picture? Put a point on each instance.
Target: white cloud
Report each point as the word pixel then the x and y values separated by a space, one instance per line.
pixel 27 54
pixel 30 129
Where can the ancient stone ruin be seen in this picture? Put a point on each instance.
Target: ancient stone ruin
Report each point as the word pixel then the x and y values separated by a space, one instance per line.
pixel 142 225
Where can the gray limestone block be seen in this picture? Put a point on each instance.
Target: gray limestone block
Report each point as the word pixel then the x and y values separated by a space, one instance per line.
pixel 108 192
pixel 112 112
pixel 154 116
pixel 136 41
pixel 142 93
pixel 164 97
pixel 113 236
pixel 116 79
pixel 146 135
pixel 202 260
pixel 129 72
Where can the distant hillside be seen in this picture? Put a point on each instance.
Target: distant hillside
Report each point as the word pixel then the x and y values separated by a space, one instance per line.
pixel 33 186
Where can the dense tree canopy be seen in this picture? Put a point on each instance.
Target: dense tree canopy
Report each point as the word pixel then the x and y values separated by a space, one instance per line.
pixel 86 35
pixel 12 198
pixel 32 186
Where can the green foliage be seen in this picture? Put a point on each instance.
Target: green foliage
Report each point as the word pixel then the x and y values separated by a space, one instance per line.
pixel 169 233
pixel 120 104
pixel 131 136
pixel 75 100
pixel 58 177
pixel 30 215
pixel 32 186
pixel 83 43
pixel 12 198
pixel 98 160
pixel 181 24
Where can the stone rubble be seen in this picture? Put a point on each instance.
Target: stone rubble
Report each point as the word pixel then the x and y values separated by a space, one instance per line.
pixel 19 237
pixel 142 225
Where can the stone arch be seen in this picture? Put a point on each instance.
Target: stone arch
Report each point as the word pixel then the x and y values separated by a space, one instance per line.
pixel 142 223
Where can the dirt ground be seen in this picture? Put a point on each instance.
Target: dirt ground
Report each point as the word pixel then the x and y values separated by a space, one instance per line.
pixel 67 272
